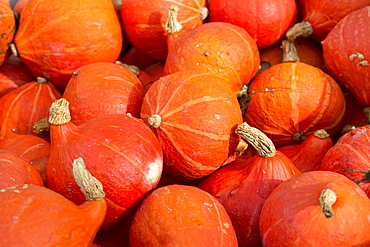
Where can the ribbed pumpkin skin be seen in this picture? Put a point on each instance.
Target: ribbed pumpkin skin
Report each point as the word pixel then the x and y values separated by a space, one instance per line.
pixel 13 74
pixel 243 186
pixel 15 170
pixel 145 23
pixel 308 155
pixel 22 107
pixel 199 117
pixel 291 98
pixel 222 49
pixel 325 14
pixel 7 30
pixel 292 216
pixel 103 88
pixel 266 21
pixel 345 40
pixel 83 32
pixel 181 215
pixel 119 150
pixel 45 218
pixel 350 152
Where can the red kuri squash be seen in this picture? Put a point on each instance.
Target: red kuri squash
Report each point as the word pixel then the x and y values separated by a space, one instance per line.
pixel 7 30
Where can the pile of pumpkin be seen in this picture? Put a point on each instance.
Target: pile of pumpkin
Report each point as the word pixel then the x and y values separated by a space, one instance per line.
pixel 185 123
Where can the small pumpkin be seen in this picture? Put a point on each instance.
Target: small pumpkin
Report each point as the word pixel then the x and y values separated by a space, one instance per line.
pixel 7 30
pixel 243 186
pixel 308 155
pixel 347 54
pixel 15 170
pixel 22 107
pixel 266 21
pixel 55 221
pixel 144 23
pixel 223 49
pixel 83 32
pixel 167 211
pixel 316 208
pixel 118 149
pixel 194 115
pixel 103 88
pixel 350 155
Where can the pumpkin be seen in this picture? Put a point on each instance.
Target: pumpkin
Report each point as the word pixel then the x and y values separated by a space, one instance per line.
pixel 266 21
pixel 55 57
pixel 320 17
pixel 222 49
pixel 181 215
pixel 349 155
pixel 32 148
pixel 243 186
pixel 115 237
pixel 15 170
pixel 7 30
pixel 134 57
pixel 194 115
pixel 13 74
pixel 103 88
pixel 34 98
pixel 316 208
pixel 18 5
pixel 118 149
pixel 308 155
pixel 144 23
pixel 347 54
pixel 291 100
pixel 151 74
pixel 55 221
pixel 308 51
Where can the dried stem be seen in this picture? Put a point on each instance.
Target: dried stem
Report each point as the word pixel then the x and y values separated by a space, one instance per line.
pixel 89 185
pixel 322 134
pixel 59 112
pixel 290 53
pixel 301 29
pixel 155 121
pixel 41 126
pixel 203 13
pixel 327 199
pixel 367 113
pixel 257 139
pixel 133 68
pixel 172 24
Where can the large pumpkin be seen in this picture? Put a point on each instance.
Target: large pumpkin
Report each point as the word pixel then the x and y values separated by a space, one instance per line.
pixel 316 208
pixel 194 115
pixel 145 22
pixel 33 215
pixel 181 215
pixel 7 29
pixel 347 54
pixel 103 88
pixel 266 21
pixel 291 100
pixel 56 37
pixel 225 50
pixel 119 150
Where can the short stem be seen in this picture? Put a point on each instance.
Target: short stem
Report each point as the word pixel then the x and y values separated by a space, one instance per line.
pixel 367 113
pixel 133 68
pixel 89 185
pixel 327 199
pixel 290 53
pixel 41 126
pixel 301 29
pixel 172 24
pixel 155 121
pixel 59 112
pixel 14 50
pixel 322 134
pixel 257 139
pixel 298 136
pixel 41 80
pixel 203 13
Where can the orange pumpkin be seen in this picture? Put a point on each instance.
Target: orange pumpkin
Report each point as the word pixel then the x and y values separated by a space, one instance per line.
pixel 83 32
pixel 7 30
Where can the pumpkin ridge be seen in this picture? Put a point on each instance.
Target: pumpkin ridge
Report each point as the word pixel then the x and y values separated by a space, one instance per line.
pixel 183 5
pixel 34 104
pixel 3 128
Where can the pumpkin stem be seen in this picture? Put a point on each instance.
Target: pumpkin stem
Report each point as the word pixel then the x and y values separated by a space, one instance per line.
pixel 41 126
pixel 327 199
pixel 367 113
pixel 133 68
pixel 155 121
pixel 347 128
pixel 89 185
pixel 242 146
pixel 298 136
pixel 203 13
pixel 301 29
pixel 41 80
pixel 290 53
pixel 59 112
pixel 14 50
pixel 257 139
pixel 322 134
pixel 243 99
pixel 172 24
pixel 117 4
